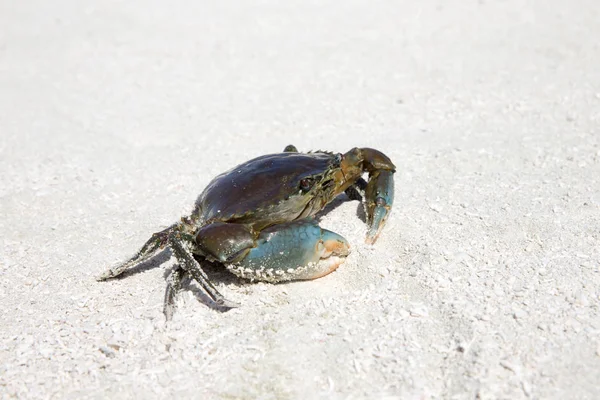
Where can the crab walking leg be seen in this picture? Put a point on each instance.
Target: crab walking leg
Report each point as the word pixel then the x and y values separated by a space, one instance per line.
pixel 296 250
pixel 190 265
pixel 156 242
pixel 173 288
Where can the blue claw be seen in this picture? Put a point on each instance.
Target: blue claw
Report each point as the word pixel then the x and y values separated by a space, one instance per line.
pixel 293 251
pixel 378 203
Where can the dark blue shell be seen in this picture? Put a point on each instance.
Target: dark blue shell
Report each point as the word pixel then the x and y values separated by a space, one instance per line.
pixel 265 190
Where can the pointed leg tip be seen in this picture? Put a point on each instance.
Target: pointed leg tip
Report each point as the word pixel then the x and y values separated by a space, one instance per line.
pixel 168 314
pixel 226 304
pixel 104 277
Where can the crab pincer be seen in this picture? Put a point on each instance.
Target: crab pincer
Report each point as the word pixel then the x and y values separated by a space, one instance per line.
pixel 379 194
pixel 378 191
pixel 296 250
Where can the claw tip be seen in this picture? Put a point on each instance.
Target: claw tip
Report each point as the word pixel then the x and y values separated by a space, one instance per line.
pixel 371 239
pixel 227 304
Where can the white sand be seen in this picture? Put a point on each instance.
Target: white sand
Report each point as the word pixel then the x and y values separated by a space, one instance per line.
pixel 486 282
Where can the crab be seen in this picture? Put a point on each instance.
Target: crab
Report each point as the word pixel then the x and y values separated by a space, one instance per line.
pixel 257 220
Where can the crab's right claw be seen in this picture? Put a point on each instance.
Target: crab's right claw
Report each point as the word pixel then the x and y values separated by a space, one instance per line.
pixel 379 197
pixel 379 194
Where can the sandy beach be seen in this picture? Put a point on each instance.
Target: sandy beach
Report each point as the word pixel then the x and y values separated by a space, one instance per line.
pixel 485 283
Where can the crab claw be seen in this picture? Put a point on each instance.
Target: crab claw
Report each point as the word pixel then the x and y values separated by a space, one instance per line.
pixel 379 191
pixel 379 197
pixel 295 250
pixel 332 250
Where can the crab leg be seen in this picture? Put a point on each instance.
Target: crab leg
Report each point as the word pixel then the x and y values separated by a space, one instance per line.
pixel 172 236
pixel 190 265
pixel 173 287
pixel 156 242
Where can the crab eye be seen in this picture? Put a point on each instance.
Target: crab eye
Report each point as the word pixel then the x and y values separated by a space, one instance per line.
pixel 338 159
pixel 306 184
